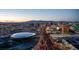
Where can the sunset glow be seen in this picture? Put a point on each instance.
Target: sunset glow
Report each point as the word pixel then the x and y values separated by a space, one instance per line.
pixel 13 19
pixel 22 15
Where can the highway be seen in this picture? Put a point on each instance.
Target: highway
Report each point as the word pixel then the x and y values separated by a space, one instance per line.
pixel 60 38
pixel 65 35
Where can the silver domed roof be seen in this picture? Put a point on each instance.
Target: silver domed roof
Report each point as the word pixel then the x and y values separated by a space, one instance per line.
pixel 22 35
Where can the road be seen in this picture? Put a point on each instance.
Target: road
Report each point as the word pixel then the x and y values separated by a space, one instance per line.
pixel 65 35
pixel 61 36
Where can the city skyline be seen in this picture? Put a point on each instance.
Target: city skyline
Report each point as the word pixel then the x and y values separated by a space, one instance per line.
pixel 22 15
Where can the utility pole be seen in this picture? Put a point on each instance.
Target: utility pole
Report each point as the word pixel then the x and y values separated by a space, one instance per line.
pixel 62 29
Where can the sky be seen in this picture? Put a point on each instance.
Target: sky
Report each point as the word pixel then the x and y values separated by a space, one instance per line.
pixel 19 15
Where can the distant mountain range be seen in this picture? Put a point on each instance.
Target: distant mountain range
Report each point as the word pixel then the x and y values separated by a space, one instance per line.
pixel 38 21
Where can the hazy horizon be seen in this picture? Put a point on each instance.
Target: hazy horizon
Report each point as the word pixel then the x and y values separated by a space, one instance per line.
pixel 23 15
